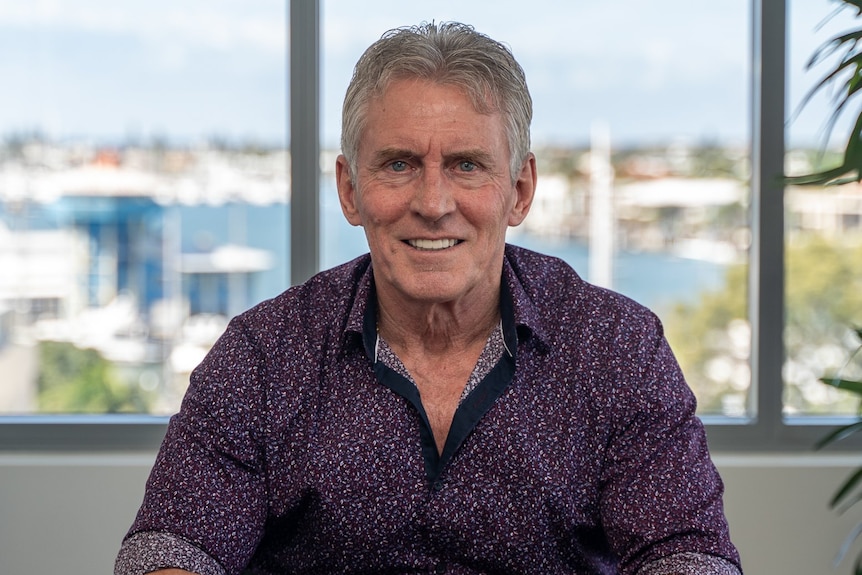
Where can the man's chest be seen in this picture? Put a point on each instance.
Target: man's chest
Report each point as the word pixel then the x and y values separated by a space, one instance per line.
pixel 509 495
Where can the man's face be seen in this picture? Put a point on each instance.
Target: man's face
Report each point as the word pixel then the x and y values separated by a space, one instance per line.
pixel 434 194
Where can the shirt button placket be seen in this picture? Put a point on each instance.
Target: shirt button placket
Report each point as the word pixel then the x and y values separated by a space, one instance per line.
pixel 435 504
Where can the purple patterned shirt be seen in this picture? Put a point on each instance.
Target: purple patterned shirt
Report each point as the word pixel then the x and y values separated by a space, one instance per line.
pixel 299 450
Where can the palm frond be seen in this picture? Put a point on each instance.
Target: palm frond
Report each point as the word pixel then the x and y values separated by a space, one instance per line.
pixel 846 488
pixel 851 385
pixel 845 548
pixel 841 174
pixel 839 434
pixel 846 77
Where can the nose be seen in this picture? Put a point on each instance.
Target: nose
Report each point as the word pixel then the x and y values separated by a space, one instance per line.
pixel 433 196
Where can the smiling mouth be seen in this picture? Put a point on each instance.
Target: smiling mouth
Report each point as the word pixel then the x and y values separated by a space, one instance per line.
pixel 433 245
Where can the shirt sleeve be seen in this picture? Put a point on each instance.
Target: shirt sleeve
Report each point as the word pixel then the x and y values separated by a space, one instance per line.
pixel 690 564
pixel 661 495
pixel 206 494
pixel 150 551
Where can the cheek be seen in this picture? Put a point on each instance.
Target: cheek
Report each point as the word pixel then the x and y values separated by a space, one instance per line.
pixel 492 220
pixel 381 211
pixel 379 236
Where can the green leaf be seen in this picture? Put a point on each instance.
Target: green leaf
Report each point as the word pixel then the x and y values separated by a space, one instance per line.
pixel 851 385
pixel 826 177
pixel 845 548
pixel 849 64
pixel 839 434
pixel 846 488
pixel 851 164
pixel 850 503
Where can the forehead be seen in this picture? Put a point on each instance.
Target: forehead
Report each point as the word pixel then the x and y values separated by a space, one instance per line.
pixel 420 108
pixel 474 89
pixel 409 91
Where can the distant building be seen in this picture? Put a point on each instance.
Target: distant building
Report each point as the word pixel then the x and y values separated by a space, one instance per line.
pixel 554 211
pixel 829 211
pixel 43 273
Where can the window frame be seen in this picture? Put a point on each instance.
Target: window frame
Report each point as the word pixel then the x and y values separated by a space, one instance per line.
pixel 766 430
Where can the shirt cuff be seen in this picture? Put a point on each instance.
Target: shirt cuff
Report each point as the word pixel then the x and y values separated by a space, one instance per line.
pixel 690 564
pixel 150 551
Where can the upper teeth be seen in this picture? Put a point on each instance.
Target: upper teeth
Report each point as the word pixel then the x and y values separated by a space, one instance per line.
pixel 432 244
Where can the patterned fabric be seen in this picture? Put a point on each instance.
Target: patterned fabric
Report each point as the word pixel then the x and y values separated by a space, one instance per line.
pixel 291 454
pixel 492 352
pixel 151 550
pixel 690 563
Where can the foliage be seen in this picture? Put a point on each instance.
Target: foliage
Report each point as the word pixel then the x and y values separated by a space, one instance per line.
pixel 824 291
pixel 698 333
pixel 824 282
pixel 845 77
pixel 849 493
pixel 824 287
pixel 74 380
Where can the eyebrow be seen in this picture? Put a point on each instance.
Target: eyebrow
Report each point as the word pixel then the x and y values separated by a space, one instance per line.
pixel 386 154
pixel 477 155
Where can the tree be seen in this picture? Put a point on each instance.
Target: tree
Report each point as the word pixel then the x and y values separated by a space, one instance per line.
pixel 704 336
pixel 74 380
pixel 823 289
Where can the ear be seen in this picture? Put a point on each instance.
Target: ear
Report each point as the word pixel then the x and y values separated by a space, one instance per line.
pixel 346 191
pixel 525 189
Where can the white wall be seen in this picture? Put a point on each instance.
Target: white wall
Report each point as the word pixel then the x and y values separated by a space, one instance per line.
pixel 777 507
pixel 65 514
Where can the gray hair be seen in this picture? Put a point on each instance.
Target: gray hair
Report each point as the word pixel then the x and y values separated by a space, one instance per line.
pixel 449 53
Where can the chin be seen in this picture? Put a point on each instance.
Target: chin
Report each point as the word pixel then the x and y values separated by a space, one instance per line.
pixel 433 291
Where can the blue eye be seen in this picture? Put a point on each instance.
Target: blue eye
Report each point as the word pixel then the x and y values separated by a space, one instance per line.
pixel 398 166
pixel 466 166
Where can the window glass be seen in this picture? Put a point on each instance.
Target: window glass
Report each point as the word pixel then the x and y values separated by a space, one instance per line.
pixel 823 225
pixel 143 193
pixel 640 129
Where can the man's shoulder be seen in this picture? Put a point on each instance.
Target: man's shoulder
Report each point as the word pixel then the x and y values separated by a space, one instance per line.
pixel 546 278
pixel 325 299
pixel 551 286
pixel 539 275
pixel 532 261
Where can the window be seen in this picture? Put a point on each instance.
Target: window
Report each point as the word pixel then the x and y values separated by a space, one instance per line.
pixel 672 101
pixel 143 194
pixel 823 231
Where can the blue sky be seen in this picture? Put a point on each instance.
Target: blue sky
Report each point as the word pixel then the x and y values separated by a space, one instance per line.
pixel 657 71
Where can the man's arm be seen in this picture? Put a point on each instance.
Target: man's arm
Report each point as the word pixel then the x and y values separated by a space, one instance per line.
pixel 662 497
pixel 685 563
pixel 205 501
pixel 163 553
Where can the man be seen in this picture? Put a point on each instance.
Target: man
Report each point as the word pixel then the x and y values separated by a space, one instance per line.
pixel 448 403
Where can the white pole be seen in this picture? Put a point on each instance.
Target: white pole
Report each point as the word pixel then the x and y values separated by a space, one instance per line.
pixel 601 207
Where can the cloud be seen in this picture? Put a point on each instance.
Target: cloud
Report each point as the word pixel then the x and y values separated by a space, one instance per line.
pixel 210 24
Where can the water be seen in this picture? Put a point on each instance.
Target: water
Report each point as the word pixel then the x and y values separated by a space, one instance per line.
pixel 260 227
pixel 654 279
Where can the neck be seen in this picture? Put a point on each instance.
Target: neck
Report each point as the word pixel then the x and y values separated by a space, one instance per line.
pixel 438 327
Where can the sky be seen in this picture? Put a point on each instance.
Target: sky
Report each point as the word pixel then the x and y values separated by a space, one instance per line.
pixel 658 71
